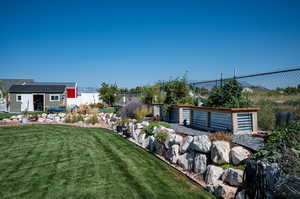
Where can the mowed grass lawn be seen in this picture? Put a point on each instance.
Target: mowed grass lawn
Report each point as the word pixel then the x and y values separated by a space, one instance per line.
pixel 47 161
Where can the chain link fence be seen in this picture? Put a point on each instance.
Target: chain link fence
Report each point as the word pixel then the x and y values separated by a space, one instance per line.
pixel 277 93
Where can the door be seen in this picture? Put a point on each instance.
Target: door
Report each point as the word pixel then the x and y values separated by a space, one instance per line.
pixel 38 102
pixel 27 102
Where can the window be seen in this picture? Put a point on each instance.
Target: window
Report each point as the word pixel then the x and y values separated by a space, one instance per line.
pixel 19 98
pixel 54 97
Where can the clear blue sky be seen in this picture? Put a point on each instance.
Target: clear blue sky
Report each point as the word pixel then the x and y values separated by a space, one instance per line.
pixel 139 42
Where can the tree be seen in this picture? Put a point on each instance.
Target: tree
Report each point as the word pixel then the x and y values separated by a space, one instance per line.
pixel 230 95
pixel 109 93
pixel 4 93
pixel 177 91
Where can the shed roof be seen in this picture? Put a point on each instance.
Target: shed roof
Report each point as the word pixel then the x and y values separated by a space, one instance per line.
pixel 67 84
pixel 37 89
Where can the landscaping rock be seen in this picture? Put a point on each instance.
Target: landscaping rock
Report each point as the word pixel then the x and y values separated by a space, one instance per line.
pixel 238 154
pixel 220 152
pixel 213 174
pixel 152 143
pixel 159 148
pixel 173 154
pixel 233 177
pixel 145 123
pixel 201 143
pixel 242 195
pixel 186 161
pixel 222 190
pixel 186 144
pixel 200 161
pixel 173 139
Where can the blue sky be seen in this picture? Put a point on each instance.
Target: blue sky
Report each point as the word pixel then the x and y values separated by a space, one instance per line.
pixel 140 42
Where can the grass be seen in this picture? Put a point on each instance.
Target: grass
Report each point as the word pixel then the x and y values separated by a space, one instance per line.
pixel 227 166
pixel 47 161
pixel 6 115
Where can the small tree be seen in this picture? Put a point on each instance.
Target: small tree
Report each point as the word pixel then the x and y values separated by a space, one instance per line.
pixel 109 93
pixel 230 95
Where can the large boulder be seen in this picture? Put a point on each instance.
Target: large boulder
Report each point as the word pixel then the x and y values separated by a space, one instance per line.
pixel 213 174
pixel 238 154
pixel 172 154
pixel 200 162
pixel 222 190
pixel 173 139
pixel 242 195
pixel 152 143
pixel 201 143
pixel 157 129
pixel 220 152
pixel 186 161
pixel 187 141
pixel 135 134
pixel 233 177
pixel 159 148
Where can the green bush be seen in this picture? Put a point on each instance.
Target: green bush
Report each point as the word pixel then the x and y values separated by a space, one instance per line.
pixel 73 118
pixel 161 136
pixel 230 95
pixel 92 120
pixel 283 147
pixel 149 129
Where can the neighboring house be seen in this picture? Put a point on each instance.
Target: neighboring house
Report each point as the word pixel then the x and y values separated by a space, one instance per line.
pixel 5 84
pixel 71 90
pixel 36 97
pixel 88 98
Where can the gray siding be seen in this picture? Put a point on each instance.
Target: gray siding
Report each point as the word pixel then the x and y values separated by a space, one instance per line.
pixel 14 105
pixel 54 103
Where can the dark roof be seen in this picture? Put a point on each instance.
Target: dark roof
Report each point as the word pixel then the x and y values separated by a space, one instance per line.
pixel 37 89
pixel 67 84
pixel 7 83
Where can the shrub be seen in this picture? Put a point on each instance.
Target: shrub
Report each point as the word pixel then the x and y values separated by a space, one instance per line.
pixel 83 109
pixel 141 113
pixel 283 147
pixel 130 109
pixel 73 118
pixel 161 136
pixel 92 120
pixel 149 129
pixel 230 95
pixel 218 136
pixel 98 105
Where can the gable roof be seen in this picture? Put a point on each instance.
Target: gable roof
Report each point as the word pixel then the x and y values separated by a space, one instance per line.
pixel 37 89
pixel 67 84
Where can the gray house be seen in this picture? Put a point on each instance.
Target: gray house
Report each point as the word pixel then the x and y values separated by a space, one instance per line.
pixel 36 97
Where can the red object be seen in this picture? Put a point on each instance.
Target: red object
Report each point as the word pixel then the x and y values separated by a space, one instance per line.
pixel 71 93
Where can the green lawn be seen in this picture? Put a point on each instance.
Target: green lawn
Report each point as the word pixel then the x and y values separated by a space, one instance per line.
pixel 47 161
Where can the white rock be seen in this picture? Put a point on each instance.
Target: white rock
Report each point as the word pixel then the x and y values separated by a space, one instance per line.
pixel 152 143
pixel 186 144
pixel 169 140
pixel 233 177
pixel 173 154
pixel 136 134
pixel 201 143
pixel 40 119
pixel 145 123
pixel 186 161
pixel 141 138
pixel 222 190
pixel 220 152
pixel 238 154
pixel 200 162
pixel 242 195
pixel 139 126
pixel 213 174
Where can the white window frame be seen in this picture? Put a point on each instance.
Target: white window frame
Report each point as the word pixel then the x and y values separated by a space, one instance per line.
pixel 58 99
pixel 17 98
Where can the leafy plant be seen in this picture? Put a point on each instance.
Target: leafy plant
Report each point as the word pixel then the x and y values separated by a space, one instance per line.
pixel 149 129
pixel 161 136
pixel 141 113
pixel 73 118
pixel 283 147
pixel 93 119
pixel 230 95
pixel 109 93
